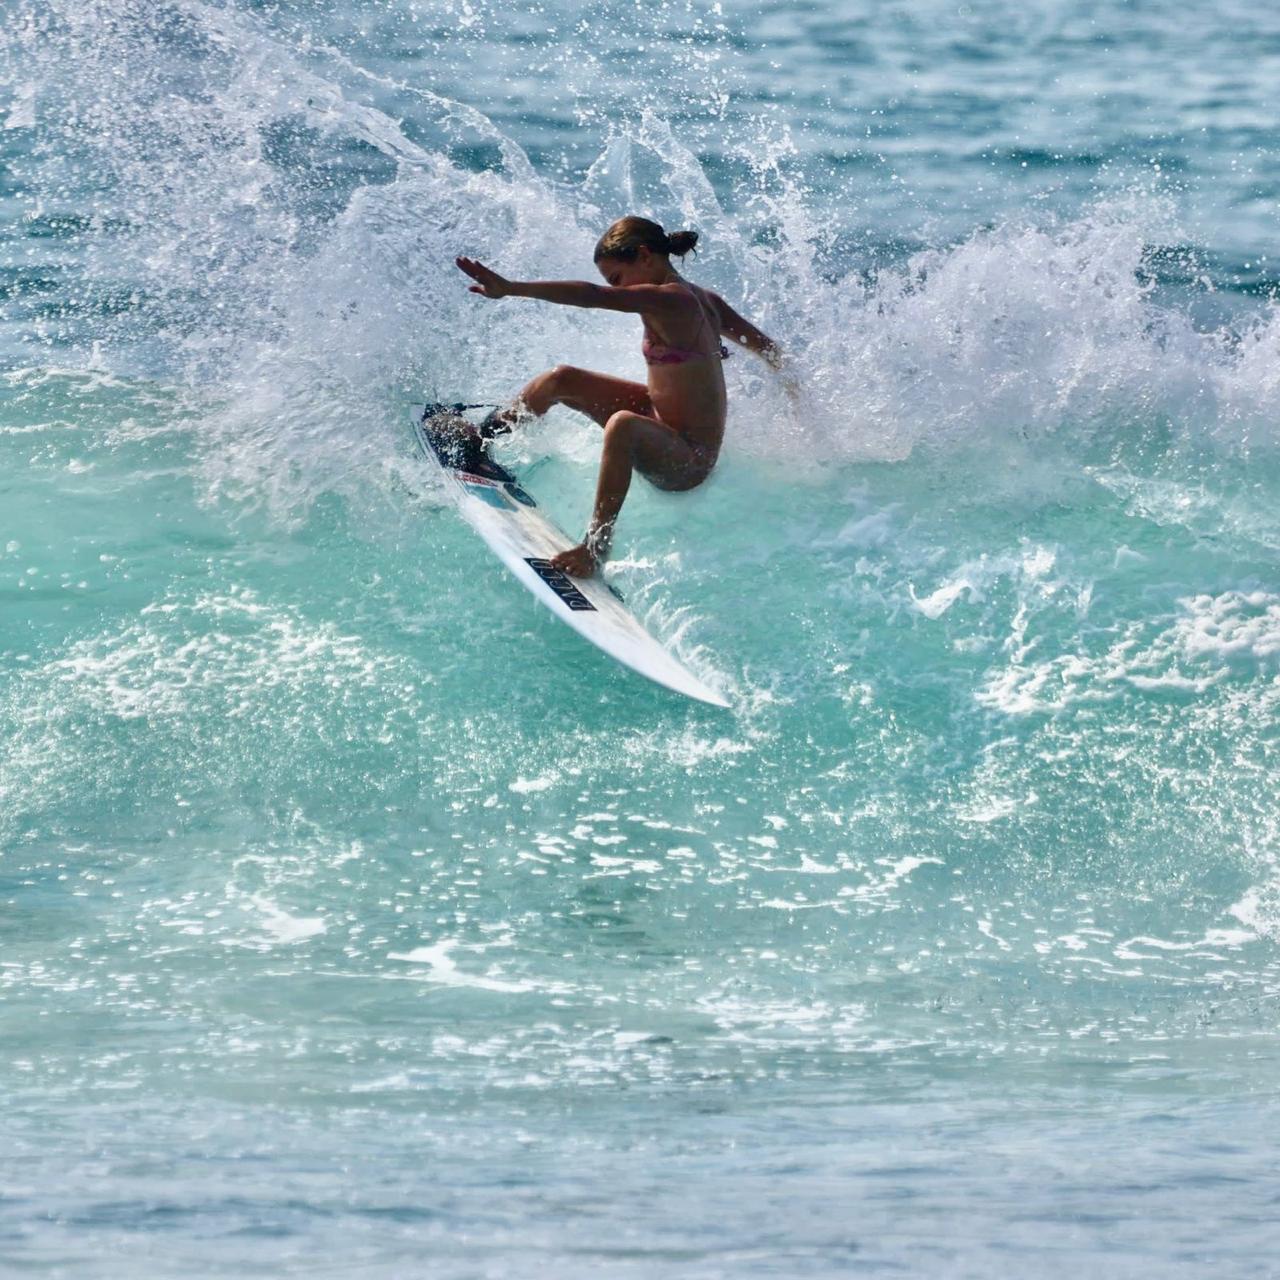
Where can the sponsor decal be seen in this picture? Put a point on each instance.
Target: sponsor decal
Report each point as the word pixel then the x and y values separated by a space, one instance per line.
pixel 561 584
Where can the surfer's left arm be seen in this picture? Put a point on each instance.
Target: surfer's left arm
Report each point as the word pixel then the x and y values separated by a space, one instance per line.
pixel 575 293
pixel 745 334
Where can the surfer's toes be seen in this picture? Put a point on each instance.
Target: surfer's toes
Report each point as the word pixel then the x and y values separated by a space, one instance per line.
pixel 495 423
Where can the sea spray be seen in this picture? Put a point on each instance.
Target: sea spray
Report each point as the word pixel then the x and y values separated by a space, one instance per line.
pixel 353 910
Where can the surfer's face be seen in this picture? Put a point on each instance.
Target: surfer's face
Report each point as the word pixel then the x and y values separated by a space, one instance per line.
pixel 620 273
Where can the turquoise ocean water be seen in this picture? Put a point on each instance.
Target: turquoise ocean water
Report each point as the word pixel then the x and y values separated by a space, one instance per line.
pixel 356 919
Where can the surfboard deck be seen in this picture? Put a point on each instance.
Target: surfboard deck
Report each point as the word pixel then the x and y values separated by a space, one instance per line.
pixel 508 519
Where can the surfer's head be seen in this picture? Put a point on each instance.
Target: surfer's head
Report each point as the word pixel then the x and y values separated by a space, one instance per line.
pixel 640 249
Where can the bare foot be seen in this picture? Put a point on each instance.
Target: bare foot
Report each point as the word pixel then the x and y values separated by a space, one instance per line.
pixel 577 562
pixel 499 422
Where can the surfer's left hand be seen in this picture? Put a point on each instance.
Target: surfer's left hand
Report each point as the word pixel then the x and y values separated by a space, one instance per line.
pixel 577 562
pixel 488 284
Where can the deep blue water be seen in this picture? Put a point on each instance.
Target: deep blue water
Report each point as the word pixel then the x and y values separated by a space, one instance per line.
pixel 357 919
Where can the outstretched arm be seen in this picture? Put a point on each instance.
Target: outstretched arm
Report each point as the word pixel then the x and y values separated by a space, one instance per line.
pixel 745 334
pixel 649 298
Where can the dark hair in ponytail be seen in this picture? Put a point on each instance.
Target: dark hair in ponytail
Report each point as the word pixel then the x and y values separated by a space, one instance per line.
pixel 682 242
pixel 628 235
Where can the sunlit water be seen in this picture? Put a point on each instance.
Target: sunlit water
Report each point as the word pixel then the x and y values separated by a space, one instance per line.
pixel 357 919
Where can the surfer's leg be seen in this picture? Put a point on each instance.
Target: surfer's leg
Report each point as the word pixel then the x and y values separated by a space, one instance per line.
pixel 663 457
pixel 596 394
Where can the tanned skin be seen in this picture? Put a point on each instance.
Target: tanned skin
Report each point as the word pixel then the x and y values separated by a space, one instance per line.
pixel 670 430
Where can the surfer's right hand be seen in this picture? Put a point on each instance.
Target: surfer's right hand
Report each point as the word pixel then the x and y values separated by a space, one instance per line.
pixel 488 284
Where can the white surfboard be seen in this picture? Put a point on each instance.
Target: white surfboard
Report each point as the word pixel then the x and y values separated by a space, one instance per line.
pixel 492 502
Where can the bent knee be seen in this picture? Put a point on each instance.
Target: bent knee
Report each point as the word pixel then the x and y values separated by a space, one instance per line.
pixel 564 376
pixel 620 428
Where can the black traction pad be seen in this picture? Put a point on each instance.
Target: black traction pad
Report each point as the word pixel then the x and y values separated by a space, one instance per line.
pixel 459 447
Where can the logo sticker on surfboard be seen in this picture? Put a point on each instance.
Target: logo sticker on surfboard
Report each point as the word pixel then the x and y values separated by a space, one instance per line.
pixel 561 584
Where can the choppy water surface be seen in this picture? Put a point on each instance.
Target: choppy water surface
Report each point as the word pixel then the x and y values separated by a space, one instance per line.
pixel 355 918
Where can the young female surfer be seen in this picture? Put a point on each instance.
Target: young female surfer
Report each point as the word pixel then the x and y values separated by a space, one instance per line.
pixel 671 428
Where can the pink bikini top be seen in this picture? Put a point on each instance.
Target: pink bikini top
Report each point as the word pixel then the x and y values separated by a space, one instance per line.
pixel 655 352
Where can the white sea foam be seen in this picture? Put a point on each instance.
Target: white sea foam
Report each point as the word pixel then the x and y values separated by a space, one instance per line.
pixel 1235 624
pixel 438 965
pixel 310 332
pixel 1187 653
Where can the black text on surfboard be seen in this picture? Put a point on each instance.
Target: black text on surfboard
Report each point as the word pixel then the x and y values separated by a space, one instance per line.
pixel 561 584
